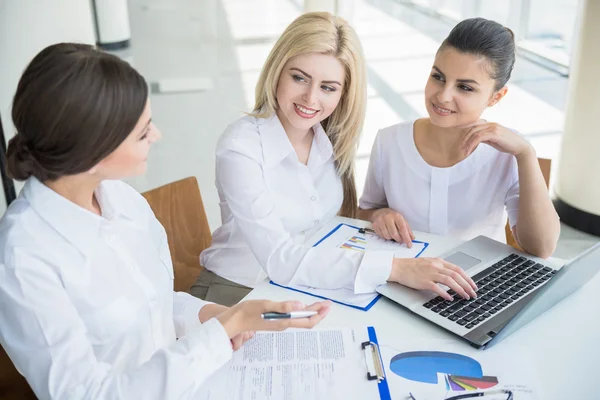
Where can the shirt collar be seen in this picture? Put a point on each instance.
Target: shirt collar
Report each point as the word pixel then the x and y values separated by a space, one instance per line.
pixel 76 224
pixel 276 145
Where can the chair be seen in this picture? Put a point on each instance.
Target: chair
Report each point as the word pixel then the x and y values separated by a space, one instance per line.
pixel 179 208
pixel 545 166
pixel 12 384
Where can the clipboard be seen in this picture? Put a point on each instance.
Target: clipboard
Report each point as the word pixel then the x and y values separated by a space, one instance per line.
pixel 375 366
pixel 376 296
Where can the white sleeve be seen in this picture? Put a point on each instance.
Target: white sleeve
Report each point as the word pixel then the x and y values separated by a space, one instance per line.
pixel 511 201
pixel 47 340
pixel 374 193
pixel 185 306
pixel 240 178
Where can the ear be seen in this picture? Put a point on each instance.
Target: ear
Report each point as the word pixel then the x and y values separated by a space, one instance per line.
pixel 94 169
pixel 496 97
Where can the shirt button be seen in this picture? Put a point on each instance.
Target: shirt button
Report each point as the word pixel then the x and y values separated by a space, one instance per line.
pixel 317 222
pixel 111 238
pixel 313 198
pixel 303 233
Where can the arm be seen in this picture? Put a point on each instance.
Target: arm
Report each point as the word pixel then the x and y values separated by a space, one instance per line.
pixel 538 226
pixel 373 205
pixel 38 317
pixel 241 181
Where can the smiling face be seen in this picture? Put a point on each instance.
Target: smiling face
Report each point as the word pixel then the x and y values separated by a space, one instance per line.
pixel 459 89
pixel 309 89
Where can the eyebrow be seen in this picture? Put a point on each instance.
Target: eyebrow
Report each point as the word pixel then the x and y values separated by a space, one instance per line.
pixel 310 77
pixel 458 80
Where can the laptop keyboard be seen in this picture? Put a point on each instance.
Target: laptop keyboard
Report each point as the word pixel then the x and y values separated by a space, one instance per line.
pixel 499 286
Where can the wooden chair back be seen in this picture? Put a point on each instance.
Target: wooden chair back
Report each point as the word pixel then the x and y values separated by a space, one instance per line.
pixel 545 166
pixel 179 208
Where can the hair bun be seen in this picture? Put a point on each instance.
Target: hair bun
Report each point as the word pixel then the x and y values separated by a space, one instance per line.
pixel 20 162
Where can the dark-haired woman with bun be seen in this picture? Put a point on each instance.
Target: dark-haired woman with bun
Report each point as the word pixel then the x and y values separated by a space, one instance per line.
pixel 454 173
pixel 87 307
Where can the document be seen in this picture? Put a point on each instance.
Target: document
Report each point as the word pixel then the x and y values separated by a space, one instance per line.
pixel 441 369
pixel 349 238
pixel 297 365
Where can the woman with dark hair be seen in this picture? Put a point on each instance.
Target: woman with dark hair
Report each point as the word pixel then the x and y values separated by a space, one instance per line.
pixel 454 173
pixel 87 307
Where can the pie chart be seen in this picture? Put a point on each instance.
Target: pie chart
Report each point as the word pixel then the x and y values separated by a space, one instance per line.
pixel 461 372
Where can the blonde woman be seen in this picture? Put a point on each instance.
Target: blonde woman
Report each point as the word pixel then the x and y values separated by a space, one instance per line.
pixel 287 168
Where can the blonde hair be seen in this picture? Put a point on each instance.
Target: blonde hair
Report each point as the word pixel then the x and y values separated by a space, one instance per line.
pixel 321 32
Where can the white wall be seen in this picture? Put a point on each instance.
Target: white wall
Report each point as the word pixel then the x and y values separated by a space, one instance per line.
pixel 26 27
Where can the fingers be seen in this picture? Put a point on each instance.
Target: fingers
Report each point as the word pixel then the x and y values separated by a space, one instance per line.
pixel 283 306
pixel 462 272
pixel 319 306
pixel 460 278
pixel 384 231
pixel 404 233
pixel 473 138
pixel 452 284
pixel 440 292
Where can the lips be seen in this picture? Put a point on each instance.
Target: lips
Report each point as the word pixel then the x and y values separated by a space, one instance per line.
pixel 305 112
pixel 442 111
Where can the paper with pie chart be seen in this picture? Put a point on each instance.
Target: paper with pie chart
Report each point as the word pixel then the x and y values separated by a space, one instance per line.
pixel 439 369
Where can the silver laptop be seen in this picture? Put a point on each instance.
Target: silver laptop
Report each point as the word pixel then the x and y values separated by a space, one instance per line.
pixel 514 288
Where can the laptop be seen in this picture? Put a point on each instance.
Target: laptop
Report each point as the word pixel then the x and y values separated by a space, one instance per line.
pixel 514 288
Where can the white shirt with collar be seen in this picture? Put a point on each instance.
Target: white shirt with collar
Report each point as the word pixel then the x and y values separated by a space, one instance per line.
pixel 470 198
pixel 271 203
pixel 87 307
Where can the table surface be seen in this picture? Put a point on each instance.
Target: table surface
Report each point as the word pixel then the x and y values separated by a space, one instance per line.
pixel 561 342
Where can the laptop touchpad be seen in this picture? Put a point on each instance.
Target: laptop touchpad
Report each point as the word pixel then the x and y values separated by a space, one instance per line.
pixel 462 260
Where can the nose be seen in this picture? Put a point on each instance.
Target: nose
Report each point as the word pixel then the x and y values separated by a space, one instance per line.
pixel 445 94
pixel 310 96
pixel 155 134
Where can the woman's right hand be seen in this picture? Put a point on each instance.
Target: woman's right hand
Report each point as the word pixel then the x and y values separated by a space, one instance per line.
pixel 391 225
pixel 246 316
pixel 426 273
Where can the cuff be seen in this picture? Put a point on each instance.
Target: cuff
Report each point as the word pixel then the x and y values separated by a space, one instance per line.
pixel 374 270
pixel 190 312
pixel 211 336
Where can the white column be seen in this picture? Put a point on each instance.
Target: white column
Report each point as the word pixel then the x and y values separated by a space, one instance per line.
pixel 578 181
pixel 26 27
pixel 330 6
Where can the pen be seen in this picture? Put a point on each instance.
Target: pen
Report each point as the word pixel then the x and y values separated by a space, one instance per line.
pixel 366 230
pixel 293 314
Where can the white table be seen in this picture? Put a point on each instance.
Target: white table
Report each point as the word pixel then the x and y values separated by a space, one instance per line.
pixel 562 342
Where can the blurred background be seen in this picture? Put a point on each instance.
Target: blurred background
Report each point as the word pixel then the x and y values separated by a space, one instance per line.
pixel 202 59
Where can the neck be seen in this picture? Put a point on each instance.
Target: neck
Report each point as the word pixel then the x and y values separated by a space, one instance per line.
pixel 78 189
pixel 443 140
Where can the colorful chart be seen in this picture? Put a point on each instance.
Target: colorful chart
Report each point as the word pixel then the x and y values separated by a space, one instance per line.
pixel 356 243
pixel 461 372
pixel 458 383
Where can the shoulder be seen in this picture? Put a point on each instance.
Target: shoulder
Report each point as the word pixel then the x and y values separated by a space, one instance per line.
pixel 242 136
pixel 390 138
pixel 21 228
pixel 393 133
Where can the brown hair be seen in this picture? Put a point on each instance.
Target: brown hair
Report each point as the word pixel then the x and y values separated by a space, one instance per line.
pixel 74 106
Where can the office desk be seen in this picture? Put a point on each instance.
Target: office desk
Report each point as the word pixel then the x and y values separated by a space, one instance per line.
pixel 562 343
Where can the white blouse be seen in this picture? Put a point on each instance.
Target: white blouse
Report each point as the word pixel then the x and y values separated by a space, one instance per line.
pixel 271 203
pixel 465 200
pixel 87 307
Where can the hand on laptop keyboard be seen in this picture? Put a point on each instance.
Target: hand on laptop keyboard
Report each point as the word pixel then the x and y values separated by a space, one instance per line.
pixel 427 273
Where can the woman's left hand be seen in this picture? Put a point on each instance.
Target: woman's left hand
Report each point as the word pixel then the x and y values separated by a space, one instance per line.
pixel 212 310
pixel 495 135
